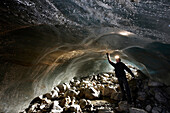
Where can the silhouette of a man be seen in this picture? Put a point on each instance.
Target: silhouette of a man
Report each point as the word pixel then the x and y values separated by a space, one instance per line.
pixel 120 74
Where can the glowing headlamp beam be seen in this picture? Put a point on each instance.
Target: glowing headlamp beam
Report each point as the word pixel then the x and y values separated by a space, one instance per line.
pixel 117 57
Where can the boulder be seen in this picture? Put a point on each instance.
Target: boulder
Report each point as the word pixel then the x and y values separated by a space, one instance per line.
pixel 141 96
pixel 37 100
pixel 114 79
pixel 108 90
pixel 56 108
pixel 91 93
pixel 136 110
pixel 156 110
pixel 106 75
pixel 100 87
pixel 71 93
pixel 33 108
pixel 148 108
pixel 65 102
pixel 75 108
pixel 81 94
pixel 154 84
pixel 56 89
pixel 123 106
pixel 62 88
pixel 83 103
pixel 76 83
pixel 54 94
pixel 48 96
pixel 46 101
pixel 160 98
pixel 116 96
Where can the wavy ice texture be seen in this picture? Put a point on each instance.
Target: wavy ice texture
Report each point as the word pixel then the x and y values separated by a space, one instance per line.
pixel 44 43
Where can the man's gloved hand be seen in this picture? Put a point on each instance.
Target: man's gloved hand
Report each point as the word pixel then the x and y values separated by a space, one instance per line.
pixel 107 54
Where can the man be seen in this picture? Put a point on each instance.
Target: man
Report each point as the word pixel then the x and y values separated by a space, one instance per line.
pixel 120 74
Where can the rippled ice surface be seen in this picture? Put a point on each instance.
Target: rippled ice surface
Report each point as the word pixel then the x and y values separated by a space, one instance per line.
pixel 44 43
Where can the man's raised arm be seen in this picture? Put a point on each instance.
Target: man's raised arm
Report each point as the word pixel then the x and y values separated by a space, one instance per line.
pixel 109 59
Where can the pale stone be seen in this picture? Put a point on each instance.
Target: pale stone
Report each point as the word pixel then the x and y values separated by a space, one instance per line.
pixel 148 108
pixel 42 106
pixel 77 83
pixel 62 87
pixel 56 89
pixel 107 91
pixel 71 93
pixel 54 94
pixel 114 79
pixel 136 110
pixel 33 107
pixel 156 110
pixel 91 93
pixel 56 108
pixel 154 83
pixel 106 75
pixel 75 108
pixel 46 101
pixel 67 85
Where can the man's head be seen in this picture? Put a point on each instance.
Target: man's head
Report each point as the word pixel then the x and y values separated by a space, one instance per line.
pixel 117 58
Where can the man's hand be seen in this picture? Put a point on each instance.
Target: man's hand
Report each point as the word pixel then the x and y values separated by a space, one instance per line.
pixel 107 54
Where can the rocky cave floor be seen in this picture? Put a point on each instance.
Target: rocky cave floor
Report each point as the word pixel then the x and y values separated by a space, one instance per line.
pixel 101 93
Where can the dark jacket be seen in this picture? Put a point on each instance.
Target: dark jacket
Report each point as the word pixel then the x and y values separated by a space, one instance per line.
pixel 120 68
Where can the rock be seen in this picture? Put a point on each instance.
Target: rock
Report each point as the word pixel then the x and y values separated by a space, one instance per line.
pixel 106 75
pixel 114 79
pixel 83 103
pixel 107 91
pixel 141 96
pixel 148 108
pixel 67 85
pixel 71 93
pixel 48 96
pixel 33 108
pixel 46 101
pixel 123 106
pixel 76 83
pixel 160 98
pixel 62 88
pixel 56 89
pixel 91 93
pixel 136 110
pixel 81 94
pixel 65 101
pixel 154 84
pixel 156 110
pixel 75 108
pixel 116 96
pixel 100 87
pixel 54 94
pixel 105 110
pixel 36 100
pixel 168 90
pixel 56 108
